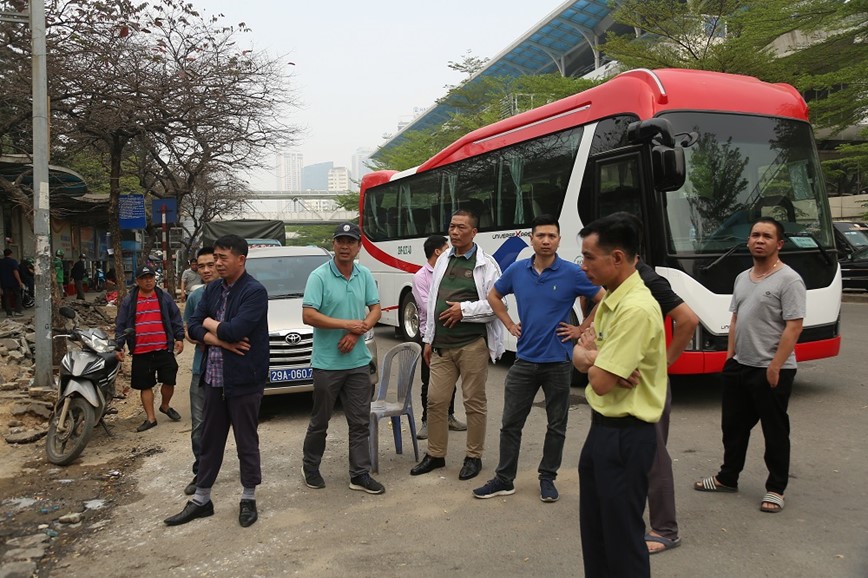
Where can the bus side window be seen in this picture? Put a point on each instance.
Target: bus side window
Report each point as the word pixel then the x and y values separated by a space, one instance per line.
pixel 546 199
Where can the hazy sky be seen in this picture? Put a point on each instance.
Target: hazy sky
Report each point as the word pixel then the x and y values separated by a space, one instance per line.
pixel 361 67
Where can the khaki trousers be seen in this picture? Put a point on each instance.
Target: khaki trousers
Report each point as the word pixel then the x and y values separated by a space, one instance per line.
pixel 471 364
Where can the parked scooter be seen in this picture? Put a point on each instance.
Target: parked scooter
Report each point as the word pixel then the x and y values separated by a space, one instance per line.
pixel 85 388
pixel 100 279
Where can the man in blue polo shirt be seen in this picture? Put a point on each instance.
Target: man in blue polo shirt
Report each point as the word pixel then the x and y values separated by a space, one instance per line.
pixel 545 288
pixel 335 298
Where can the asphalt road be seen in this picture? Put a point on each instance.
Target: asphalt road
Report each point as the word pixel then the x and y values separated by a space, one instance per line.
pixel 431 525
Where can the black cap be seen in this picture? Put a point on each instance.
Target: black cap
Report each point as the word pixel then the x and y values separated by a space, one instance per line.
pixel 347 230
pixel 142 271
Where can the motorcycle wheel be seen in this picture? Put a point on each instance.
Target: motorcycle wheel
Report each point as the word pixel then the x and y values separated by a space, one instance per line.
pixel 63 447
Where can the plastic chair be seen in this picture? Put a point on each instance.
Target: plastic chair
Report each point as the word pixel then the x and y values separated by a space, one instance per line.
pixel 408 355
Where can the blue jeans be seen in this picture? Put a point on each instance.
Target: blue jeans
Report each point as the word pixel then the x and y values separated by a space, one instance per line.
pixel 197 411
pixel 522 383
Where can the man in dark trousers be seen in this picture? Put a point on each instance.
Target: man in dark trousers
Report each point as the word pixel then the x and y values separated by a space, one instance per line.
pixel 78 273
pixel 341 303
pixel 11 283
pixel 545 288
pixel 768 307
pixel 624 355
pixel 158 336
pixel 231 320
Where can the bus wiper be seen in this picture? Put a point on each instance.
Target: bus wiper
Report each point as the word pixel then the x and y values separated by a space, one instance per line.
pixel 731 250
pixel 285 295
pixel 809 235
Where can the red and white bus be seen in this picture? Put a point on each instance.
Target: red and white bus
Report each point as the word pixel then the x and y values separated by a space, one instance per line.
pixel 697 155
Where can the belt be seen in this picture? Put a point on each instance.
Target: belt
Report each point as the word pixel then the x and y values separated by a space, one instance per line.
pixel 619 422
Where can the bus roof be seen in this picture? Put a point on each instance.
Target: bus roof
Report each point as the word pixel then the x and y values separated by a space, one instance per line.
pixel 642 92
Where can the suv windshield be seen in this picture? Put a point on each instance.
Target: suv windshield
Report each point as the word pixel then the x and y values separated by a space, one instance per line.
pixel 741 168
pixel 284 276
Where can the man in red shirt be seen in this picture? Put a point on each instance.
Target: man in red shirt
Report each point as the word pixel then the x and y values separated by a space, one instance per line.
pixel 158 330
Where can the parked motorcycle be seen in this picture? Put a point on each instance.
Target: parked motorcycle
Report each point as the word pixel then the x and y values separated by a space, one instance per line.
pixel 86 386
pixel 99 282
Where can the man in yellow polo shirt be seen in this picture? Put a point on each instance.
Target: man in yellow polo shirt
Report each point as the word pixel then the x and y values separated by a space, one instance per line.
pixel 624 355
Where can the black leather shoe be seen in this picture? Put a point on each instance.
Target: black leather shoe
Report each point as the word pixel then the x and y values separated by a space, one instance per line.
pixel 470 469
pixel 428 464
pixel 191 488
pixel 247 513
pixel 190 512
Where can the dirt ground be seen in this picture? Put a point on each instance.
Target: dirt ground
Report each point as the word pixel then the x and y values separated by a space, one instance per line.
pixel 35 494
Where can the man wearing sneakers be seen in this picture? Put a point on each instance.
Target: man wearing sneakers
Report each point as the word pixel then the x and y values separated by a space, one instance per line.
pixel 768 307
pixel 158 331
pixel 434 246
pixel 545 288
pixel 336 297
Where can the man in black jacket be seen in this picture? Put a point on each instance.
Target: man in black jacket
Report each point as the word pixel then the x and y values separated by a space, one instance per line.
pixel 158 332
pixel 231 320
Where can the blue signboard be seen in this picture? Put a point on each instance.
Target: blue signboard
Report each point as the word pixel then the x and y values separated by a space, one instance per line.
pixel 157 211
pixel 131 212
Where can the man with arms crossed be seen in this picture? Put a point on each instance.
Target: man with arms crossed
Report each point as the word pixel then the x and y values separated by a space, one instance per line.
pixel 434 246
pixel 768 307
pixel 232 321
pixel 463 333
pixel 335 298
pixel 207 271
pixel 624 355
pixel 545 288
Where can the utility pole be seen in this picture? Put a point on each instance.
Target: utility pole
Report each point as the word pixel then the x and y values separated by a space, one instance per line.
pixel 43 375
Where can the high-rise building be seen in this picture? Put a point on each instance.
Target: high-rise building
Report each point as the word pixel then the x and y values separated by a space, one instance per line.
pixel 360 160
pixel 316 177
pixel 289 167
pixel 339 179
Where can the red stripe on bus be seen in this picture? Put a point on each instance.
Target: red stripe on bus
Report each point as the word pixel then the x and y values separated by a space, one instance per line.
pixel 392 308
pixel 387 259
pixel 695 362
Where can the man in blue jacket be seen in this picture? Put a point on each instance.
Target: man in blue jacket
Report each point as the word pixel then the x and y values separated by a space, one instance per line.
pixel 231 320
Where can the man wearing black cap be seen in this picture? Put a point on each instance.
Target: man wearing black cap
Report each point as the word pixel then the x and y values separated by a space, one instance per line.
pixel 158 331
pixel 335 299
pixel 79 272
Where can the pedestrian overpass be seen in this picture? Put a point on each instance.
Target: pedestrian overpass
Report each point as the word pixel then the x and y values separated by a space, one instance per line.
pixel 296 207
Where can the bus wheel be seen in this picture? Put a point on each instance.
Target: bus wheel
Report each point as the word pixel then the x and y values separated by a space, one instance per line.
pixel 408 318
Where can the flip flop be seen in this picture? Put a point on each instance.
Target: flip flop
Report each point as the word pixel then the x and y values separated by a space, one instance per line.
pixel 667 543
pixel 775 499
pixel 709 484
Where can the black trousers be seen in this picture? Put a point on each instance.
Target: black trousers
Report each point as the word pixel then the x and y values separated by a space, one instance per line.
pixel 242 414
pixel 613 486
pixel 747 399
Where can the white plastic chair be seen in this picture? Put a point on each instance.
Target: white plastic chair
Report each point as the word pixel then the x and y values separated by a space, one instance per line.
pixel 407 355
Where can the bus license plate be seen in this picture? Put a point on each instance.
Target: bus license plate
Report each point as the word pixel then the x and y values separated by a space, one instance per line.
pixel 298 374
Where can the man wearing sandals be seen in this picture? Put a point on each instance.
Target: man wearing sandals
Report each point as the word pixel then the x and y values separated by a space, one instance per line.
pixel 768 306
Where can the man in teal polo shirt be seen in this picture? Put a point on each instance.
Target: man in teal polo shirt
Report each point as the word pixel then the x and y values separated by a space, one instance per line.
pixel 624 355
pixel 335 301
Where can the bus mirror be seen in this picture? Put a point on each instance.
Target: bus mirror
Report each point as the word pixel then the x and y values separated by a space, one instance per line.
pixel 656 130
pixel 667 168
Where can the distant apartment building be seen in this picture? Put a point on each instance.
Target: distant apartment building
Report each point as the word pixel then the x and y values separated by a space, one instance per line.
pixel 339 179
pixel 361 158
pixel 316 177
pixel 289 170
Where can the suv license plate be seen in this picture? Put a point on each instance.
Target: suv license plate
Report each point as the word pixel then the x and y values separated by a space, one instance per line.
pixel 298 374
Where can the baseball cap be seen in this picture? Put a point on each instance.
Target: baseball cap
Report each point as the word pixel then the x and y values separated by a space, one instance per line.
pixel 142 271
pixel 347 230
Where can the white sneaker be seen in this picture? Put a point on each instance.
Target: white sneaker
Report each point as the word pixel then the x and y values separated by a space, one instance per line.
pixel 422 433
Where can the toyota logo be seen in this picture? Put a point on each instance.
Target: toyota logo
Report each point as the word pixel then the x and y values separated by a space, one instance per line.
pixel 293 338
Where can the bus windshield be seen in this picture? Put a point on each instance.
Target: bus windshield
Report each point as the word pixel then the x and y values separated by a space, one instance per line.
pixel 740 168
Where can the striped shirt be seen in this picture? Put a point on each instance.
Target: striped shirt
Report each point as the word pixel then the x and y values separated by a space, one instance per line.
pixel 150 333
pixel 214 369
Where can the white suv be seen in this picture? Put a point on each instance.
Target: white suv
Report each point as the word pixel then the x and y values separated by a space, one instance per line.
pixel 284 272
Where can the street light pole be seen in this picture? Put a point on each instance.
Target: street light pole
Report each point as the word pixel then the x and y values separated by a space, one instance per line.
pixel 43 375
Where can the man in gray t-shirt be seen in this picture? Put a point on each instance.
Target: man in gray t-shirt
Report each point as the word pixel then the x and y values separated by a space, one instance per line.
pixel 768 306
